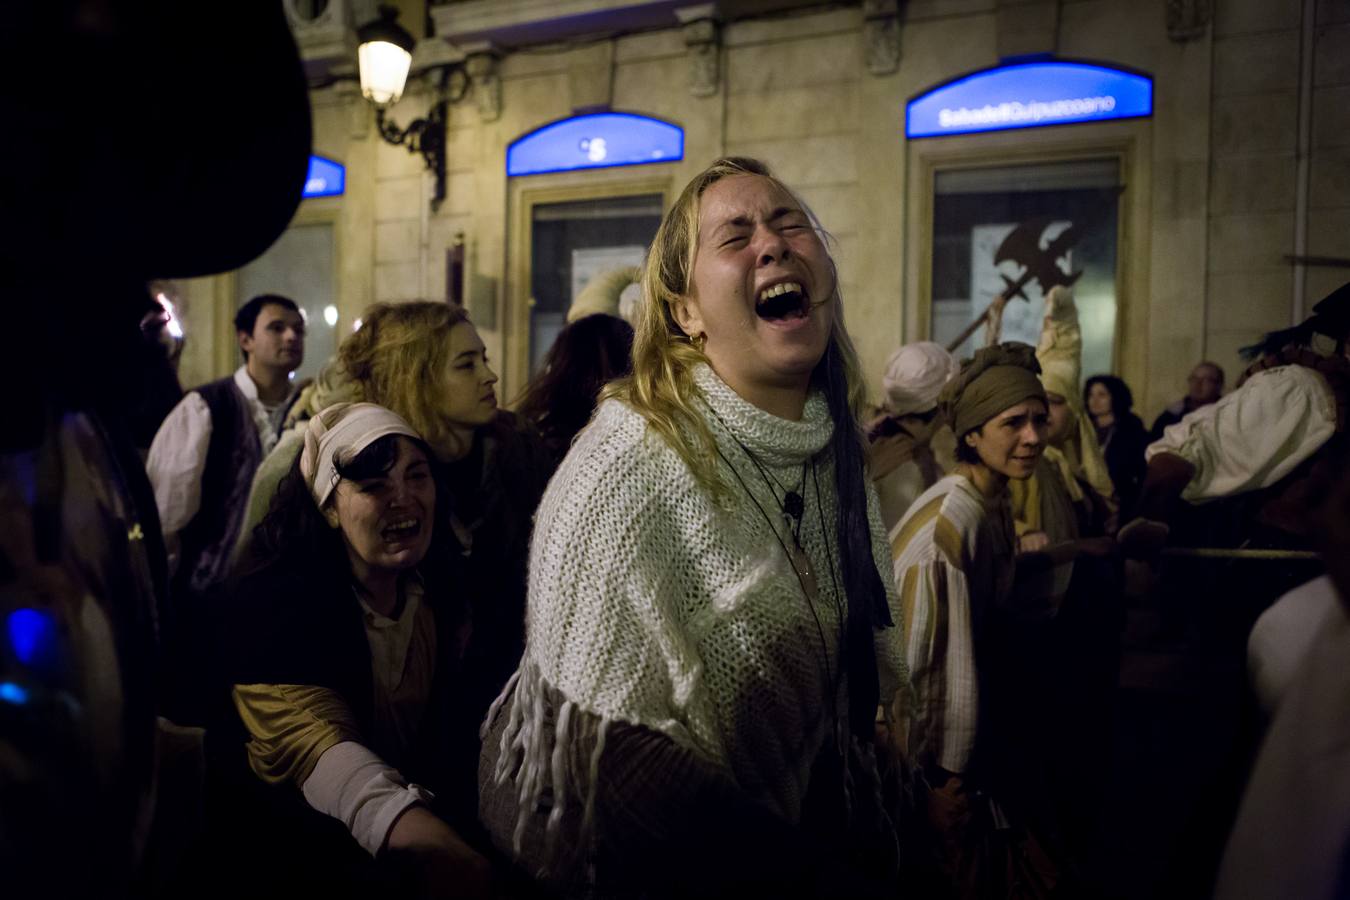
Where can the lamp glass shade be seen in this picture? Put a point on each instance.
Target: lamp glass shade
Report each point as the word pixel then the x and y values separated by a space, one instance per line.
pixel 384 71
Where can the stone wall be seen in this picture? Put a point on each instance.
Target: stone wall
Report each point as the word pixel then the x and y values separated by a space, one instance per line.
pixel 1210 221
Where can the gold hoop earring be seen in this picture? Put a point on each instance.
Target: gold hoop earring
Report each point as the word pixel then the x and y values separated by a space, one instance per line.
pixel 698 341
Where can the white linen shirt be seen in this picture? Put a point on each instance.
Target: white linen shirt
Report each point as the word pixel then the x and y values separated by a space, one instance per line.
pixel 177 457
pixel 1255 436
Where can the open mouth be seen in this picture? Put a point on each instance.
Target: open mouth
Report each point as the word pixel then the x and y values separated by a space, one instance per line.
pixel 785 300
pixel 402 530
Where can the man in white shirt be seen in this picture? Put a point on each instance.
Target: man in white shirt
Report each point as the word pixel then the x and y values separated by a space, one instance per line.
pixel 1283 431
pixel 202 460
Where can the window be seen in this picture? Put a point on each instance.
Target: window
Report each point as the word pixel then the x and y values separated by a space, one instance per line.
pixel 997 225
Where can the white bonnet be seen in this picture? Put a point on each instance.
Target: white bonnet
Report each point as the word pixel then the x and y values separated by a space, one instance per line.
pixel 341 432
pixel 915 375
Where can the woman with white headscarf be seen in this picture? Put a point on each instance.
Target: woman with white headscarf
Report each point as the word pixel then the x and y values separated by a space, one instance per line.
pixel 339 646
pixel 910 446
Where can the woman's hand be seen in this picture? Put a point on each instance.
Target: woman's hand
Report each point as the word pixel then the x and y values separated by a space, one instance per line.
pixel 439 861
pixel 1033 542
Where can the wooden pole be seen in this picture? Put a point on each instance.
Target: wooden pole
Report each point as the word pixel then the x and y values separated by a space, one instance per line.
pixel 1237 553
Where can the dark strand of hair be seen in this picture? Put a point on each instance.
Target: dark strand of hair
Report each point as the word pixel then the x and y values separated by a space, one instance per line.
pixel 865 594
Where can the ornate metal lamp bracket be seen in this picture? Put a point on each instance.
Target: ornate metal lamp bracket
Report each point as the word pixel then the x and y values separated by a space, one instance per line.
pixel 427 135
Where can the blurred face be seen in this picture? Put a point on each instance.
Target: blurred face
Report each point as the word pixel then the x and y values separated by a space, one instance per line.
pixel 386 521
pixel 761 287
pixel 470 398
pixel 1099 399
pixel 1011 442
pixel 1060 419
pixel 277 341
pixel 1204 386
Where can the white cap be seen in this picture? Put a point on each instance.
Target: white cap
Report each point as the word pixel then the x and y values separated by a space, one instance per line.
pixel 915 375
pixel 341 432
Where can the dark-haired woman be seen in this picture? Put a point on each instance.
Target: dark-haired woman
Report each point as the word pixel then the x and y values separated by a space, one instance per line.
pixel 1120 434
pixel 587 355
pixel 707 643
pixel 340 647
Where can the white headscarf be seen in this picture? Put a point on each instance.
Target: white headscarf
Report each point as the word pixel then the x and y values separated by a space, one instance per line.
pixel 915 375
pixel 340 432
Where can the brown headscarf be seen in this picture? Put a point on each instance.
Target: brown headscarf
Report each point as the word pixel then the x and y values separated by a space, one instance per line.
pixel 994 379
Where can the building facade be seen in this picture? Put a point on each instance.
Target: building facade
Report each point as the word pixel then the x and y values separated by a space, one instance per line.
pixel 1220 214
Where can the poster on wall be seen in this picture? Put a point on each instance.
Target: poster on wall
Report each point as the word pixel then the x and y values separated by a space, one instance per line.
pixel 587 262
pixel 1028 226
pixel 1021 318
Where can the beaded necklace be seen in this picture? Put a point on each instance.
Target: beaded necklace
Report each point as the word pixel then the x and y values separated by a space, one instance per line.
pixel 793 507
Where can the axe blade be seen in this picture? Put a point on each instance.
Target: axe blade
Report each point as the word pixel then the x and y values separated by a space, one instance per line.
pixel 1023 242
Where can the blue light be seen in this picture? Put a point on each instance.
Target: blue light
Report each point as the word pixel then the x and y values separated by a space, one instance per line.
pixel 595 141
pixel 12 693
pixel 325 178
pixel 1029 95
pixel 31 634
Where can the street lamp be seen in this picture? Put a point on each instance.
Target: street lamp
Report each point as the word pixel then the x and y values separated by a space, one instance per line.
pixel 384 55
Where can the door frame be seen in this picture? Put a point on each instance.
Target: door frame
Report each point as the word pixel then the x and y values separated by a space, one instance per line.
pixel 524 193
pixel 1128 142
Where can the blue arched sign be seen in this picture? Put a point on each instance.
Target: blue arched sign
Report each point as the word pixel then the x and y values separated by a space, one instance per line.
pixel 1029 95
pixel 595 141
pixel 325 178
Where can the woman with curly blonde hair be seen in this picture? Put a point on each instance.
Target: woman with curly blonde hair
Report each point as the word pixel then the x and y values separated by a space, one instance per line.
pixel 708 638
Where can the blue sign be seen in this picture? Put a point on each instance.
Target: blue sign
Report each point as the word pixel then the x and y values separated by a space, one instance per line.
pixel 325 178
pixel 1028 95
pixel 32 635
pixel 12 693
pixel 595 141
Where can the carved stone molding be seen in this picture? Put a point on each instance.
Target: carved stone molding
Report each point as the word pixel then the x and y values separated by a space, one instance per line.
pixel 703 39
pixel 485 76
pixel 1188 20
pixel 324 32
pixel 881 35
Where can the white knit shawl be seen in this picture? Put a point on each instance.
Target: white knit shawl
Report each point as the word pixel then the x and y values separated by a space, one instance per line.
pixel 651 604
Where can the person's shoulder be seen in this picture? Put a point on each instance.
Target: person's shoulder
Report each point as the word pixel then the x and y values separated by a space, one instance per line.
pixel 1170 415
pixel 212 390
pixel 1133 424
pixel 618 462
pixel 944 512
pixel 619 444
pixel 506 423
pixel 1280 389
pixel 188 423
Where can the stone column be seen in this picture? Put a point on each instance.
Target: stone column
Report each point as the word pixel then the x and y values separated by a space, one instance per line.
pixel 881 35
pixel 482 64
pixel 702 37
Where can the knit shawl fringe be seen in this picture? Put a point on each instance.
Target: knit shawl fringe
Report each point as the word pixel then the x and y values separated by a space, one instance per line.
pixel 542 767
pixel 545 770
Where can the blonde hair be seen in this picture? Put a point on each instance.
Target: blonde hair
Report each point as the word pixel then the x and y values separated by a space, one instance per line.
pixel 396 359
pixel 662 387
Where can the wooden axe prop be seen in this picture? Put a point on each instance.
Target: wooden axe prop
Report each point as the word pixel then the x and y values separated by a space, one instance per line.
pixel 1023 246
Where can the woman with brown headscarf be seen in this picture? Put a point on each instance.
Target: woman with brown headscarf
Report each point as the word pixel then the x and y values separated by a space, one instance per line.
pixel 954 565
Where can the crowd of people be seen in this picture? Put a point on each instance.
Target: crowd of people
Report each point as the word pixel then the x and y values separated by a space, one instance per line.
pixel 681 605
pixel 691 621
